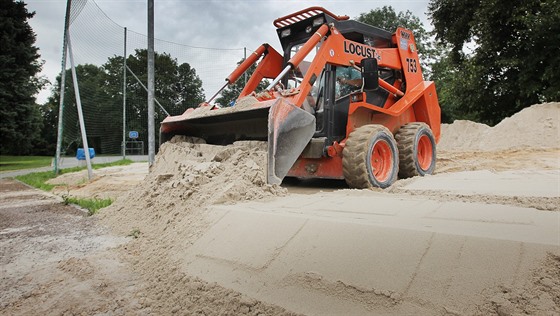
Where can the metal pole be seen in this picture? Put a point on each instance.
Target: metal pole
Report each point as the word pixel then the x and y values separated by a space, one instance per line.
pixel 151 128
pixel 216 94
pixel 244 58
pixel 143 86
pixel 62 88
pixel 124 101
pixel 280 76
pixel 79 106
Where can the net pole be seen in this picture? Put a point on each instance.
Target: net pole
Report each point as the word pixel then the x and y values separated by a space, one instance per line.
pixel 151 128
pixel 124 100
pixel 244 58
pixel 79 106
pixel 62 88
pixel 146 89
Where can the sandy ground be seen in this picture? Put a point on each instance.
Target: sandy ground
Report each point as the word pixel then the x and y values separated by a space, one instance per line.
pixel 202 233
pixel 110 182
pixel 56 261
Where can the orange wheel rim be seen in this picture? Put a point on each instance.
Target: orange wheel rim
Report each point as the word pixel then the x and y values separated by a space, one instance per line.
pixel 425 149
pixel 381 161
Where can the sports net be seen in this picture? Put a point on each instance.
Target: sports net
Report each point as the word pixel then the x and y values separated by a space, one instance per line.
pixel 184 76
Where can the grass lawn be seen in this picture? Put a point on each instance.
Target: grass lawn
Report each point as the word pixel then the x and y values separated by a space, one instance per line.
pixel 8 163
pixel 39 180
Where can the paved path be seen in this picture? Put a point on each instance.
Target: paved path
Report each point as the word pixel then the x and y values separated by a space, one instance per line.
pixel 69 162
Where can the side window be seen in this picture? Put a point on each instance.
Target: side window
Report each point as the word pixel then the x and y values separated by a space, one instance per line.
pixel 348 79
pixel 317 92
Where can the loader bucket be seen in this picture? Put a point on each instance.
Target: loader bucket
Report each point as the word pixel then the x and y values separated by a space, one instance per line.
pixel 220 126
pixel 289 130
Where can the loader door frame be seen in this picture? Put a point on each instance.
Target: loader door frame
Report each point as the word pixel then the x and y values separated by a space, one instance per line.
pixel 320 105
pixel 331 114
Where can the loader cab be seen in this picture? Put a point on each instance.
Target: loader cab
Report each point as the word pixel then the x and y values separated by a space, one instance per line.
pixel 294 31
pixel 330 93
pixel 300 26
pixel 328 99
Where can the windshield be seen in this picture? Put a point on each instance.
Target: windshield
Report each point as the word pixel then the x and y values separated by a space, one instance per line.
pixel 296 75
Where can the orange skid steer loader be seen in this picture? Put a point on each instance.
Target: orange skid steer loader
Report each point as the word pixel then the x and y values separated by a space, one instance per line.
pixel 346 101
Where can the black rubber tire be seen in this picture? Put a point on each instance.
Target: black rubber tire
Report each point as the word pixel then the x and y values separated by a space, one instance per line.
pixel 357 158
pixel 412 162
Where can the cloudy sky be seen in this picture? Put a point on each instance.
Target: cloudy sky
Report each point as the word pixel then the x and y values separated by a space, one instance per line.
pixel 204 23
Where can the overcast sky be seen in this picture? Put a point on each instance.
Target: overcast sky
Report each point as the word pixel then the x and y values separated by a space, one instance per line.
pixel 202 23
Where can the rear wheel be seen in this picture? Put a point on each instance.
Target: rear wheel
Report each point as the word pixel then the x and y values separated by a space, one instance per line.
pixel 370 158
pixel 417 150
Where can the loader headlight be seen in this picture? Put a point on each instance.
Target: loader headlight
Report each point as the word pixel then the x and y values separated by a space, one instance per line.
pixel 318 21
pixel 308 29
pixel 285 33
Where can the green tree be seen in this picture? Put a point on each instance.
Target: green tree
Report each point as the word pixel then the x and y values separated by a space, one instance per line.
pixel 102 117
pixel 453 83
pixel 20 121
pixel 177 86
pixel 46 145
pixel 386 18
pixel 503 55
pixel 230 94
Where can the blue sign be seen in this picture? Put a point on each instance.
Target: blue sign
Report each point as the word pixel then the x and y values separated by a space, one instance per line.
pixel 133 134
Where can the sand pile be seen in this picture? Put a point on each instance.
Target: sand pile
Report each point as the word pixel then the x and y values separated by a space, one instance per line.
pixel 533 127
pixel 187 176
pixel 211 174
pixel 166 214
pixel 540 296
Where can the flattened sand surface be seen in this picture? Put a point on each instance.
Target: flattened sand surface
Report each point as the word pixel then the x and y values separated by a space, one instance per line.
pixel 481 236
pixel 445 243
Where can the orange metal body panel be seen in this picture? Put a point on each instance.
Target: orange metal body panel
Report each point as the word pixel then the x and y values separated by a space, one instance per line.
pixel 418 105
pixel 269 67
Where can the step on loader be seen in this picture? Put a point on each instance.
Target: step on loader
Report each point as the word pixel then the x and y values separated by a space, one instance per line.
pixel 345 100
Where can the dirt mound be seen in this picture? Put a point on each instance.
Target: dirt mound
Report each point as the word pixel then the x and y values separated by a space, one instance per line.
pixel 462 135
pixel 186 176
pixel 166 213
pixel 534 127
pixel 540 296
pixel 217 174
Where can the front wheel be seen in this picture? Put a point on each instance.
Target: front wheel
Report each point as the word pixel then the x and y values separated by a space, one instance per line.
pixel 417 150
pixel 370 158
